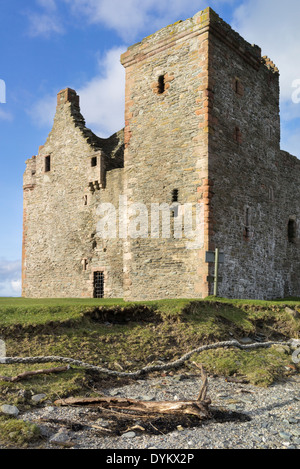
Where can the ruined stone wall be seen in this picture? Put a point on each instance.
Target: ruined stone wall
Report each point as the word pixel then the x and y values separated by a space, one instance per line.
pixel 61 249
pixel 287 199
pixel 253 193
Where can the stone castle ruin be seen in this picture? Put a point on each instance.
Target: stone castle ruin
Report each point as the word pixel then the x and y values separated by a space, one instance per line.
pixel 202 128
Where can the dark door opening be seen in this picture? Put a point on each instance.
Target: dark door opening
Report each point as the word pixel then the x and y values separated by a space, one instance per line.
pixel 98 284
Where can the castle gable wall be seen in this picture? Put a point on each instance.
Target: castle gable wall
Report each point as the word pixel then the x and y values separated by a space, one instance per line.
pixel 62 189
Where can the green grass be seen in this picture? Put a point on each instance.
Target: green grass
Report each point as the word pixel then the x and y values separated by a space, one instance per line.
pixel 68 327
pixel 260 367
pixel 263 303
pixel 53 302
pixel 54 387
pixel 18 433
pixel 23 311
pixel 128 336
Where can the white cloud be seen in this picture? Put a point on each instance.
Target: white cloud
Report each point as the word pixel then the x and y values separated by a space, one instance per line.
pixel 130 17
pixel 10 278
pixel 9 289
pixel 5 115
pixel 16 285
pixel 102 99
pixel 44 25
pixel 43 111
pixel 49 5
pixel 290 141
pixel 289 110
pixel 46 22
pixel 274 26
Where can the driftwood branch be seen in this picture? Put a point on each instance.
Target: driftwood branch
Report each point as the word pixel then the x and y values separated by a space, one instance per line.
pixel 198 408
pixel 28 374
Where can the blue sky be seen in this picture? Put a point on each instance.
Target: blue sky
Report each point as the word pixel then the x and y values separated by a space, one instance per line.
pixel 48 45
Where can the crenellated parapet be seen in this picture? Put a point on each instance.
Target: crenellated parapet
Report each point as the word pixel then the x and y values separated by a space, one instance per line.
pixel 269 64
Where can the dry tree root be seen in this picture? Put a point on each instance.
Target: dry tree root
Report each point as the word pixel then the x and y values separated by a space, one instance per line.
pixel 198 408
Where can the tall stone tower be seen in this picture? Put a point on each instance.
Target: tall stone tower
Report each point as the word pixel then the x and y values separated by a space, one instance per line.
pixel 202 119
pixel 166 153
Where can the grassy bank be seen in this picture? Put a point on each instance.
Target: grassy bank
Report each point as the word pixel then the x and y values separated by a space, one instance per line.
pixel 38 311
pixel 127 336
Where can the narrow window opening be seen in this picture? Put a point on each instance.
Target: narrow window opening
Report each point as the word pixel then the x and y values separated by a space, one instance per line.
pixel 94 241
pixel 84 265
pixel 292 231
pixel 47 164
pixel 237 135
pixel 94 161
pixel 174 208
pixel 85 200
pixel 98 284
pixel 161 84
pixel 175 195
pixel 236 86
pixel 247 225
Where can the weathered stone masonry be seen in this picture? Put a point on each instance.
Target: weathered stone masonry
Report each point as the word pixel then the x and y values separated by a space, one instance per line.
pixel 201 125
pixel 60 249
